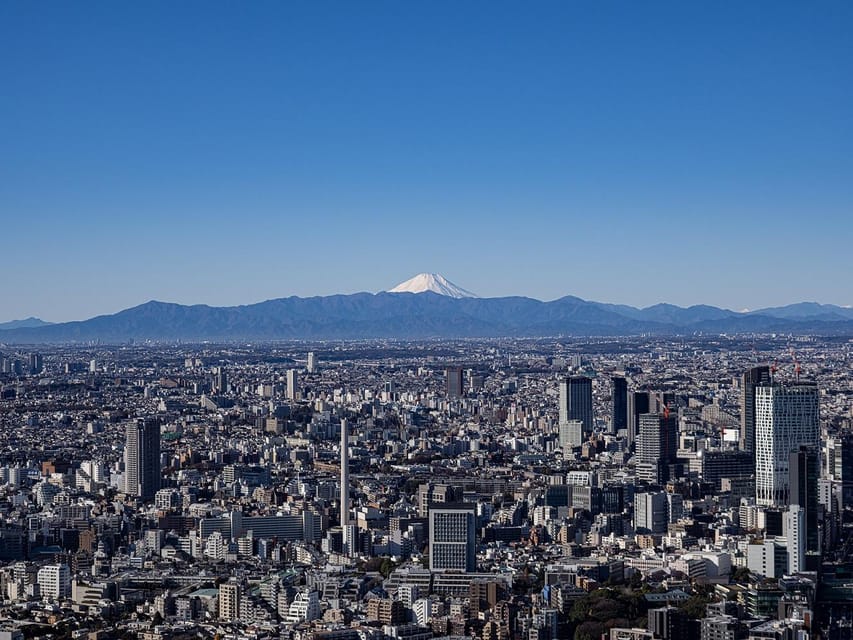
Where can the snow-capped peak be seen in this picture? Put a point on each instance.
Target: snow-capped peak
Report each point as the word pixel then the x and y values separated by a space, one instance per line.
pixel 432 282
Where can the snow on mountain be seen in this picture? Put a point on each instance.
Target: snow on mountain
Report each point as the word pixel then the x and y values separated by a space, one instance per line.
pixel 432 282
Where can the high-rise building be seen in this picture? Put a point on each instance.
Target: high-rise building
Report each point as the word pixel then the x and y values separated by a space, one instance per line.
pixel 36 363
pixel 453 378
pixel 716 465
pixel 571 434
pixel 720 628
pixel 220 380
pixel 657 443
pixel 804 538
pixel 312 362
pixel 344 472
pixel 786 417
pixel 576 401
pixel 619 404
pixel 750 379
pixel 651 512
pixel 452 537
pixel 292 385
pixel 350 540
pixel 54 580
pixel 638 404
pixel 838 460
pixel 142 458
pixel 430 494
pixel 668 623
pixel 229 602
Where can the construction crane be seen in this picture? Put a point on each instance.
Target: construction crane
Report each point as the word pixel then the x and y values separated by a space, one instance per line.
pixel 796 364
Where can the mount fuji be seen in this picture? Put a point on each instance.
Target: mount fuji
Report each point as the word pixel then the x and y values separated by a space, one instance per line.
pixel 434 282
pixel 426 307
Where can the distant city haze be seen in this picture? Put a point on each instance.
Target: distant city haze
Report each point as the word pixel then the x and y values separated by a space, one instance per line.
pixel 226 154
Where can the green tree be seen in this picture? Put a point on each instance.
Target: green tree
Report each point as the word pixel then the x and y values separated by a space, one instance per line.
pixel 589 630
pixel 386 567
pixel 695 606
pixel 741 574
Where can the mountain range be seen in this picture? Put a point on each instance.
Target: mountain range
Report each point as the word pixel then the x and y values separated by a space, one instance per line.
pixel 26 323
pixel 421 312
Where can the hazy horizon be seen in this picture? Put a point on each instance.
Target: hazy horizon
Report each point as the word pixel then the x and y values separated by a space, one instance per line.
pixel 385 290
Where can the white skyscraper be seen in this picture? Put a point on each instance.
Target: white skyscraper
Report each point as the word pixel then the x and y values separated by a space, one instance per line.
pixel 292 385
pixel 312 362
pixel 786 417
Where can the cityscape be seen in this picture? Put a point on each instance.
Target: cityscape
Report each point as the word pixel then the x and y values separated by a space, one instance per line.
pixel 463 320
pixel 621 488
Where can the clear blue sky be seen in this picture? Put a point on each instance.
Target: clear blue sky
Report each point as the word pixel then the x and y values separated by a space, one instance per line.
pixel 230 152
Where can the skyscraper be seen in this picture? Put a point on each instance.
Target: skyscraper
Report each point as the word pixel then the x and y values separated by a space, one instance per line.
pixel 312 362
pixel 452 537
pixel 571 434
pixel 220 380
pixel 454 382
pixel 657 443
pixel 750 379
pixel 786 417
pixel 142 458
pixel 576 401
pixel 650 512
pixel 803 474
pixel 292 385
pixel 839 465
pixel 638 404
pixel 344 472
pixel 619 404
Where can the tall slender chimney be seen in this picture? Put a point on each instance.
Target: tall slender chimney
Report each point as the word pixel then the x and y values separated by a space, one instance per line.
pixel 344 473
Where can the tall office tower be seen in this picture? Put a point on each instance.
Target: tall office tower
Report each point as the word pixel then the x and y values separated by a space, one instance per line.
pixel 804 472
pixel 750 379
pixel 220 380
pixel 36 363
pixel 638 404
pixel 619 404
pixel 142 458
pixel 838 459
pixel 571 434
pixel 452 541
pixel 657 443
pixel 453 377
pixel 292 385
pixel 312 362
pixel 786 417
pixel 576 401
pixel 344 473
